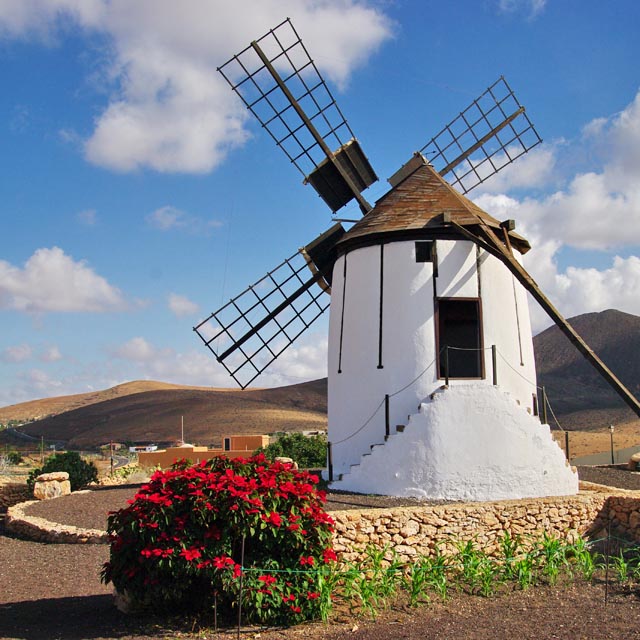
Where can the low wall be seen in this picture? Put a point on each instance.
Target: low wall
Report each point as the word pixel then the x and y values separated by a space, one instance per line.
pixel 415 531
pixel 12 492
pixel 42 530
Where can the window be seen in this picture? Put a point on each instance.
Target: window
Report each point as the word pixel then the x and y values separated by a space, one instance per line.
pixel 459 338
pixel 227 444
pixel 424 252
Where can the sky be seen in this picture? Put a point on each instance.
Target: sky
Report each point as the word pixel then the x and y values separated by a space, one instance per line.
pixel 137 195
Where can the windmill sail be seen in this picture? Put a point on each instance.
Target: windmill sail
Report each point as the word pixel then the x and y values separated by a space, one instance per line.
pixel 280 84
pixel 253 329
pixel 488 135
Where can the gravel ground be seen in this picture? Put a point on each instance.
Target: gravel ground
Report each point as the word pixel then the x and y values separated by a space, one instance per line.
pixel 53 591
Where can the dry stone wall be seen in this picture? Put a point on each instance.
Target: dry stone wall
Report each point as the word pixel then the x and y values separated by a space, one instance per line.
pixel 12 492
pixel 415 531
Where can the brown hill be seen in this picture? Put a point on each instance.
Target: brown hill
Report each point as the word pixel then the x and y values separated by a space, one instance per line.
pixel 45 407
pixel 155 415
pixel 579 396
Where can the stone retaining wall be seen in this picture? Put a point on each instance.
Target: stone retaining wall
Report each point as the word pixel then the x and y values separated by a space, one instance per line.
pixel 41 530
pixel 11 493
pixel 414 531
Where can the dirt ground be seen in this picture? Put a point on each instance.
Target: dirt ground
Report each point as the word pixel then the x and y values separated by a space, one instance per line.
pixel 53 591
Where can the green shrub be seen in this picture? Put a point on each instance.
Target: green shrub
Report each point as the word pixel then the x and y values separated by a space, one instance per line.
pixel 13 457
pixel 220 531
pixel 309 452
pixel 81 472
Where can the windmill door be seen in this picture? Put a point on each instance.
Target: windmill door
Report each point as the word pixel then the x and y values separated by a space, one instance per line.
pixel 459 338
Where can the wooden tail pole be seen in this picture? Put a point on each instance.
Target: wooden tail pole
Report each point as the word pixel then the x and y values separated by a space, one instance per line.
pixel 493 244
pixel 544 407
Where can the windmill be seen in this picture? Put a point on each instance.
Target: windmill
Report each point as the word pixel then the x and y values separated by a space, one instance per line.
pixel 431 374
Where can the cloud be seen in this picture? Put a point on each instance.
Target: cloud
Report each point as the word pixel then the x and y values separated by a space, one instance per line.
pixel 17 353
pixel 595 208
pixel 168 109
pixel 136 350
pixel 532 7
pixel 181 306
pixel 51 354
pixel 167 218
pixel 52 281
pixel 88 217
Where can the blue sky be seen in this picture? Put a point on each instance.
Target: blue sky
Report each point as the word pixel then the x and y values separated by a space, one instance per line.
pixel 137 196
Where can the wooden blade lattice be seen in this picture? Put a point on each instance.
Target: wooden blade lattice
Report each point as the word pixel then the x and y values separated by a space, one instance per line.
pixel 488 135
pixel 250 77
pixel 248 333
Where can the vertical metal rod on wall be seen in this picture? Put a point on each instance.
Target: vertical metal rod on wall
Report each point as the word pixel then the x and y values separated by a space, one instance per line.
pixel 240 596
pixel 494 359
pixel 446 365
pixel 387 429
pixel 611 432
pixel 544 406
pixel 330 461
pixel 566 443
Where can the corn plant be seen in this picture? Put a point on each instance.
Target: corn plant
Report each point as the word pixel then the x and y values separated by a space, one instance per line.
pixel 510 547
pixel 553 554
pixel 417 580
pixel 584 558
pixel 525 570
pixel 470 561
pixel 622 567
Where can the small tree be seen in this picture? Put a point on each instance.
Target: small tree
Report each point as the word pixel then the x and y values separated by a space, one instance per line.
pixel 80 471
pixel 309 452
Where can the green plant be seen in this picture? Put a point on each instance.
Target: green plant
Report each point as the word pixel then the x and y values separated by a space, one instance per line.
pixel 13 457
pixel 584 558
pixel 525 570
pixel 511 549
pixel 309 452
pixel 81 472
pixel 622 567
pixel 553 554
pixel 470 561
pixel 239 530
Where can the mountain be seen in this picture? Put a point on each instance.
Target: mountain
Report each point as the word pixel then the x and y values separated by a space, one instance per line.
pixel 153 412
pixel 578 395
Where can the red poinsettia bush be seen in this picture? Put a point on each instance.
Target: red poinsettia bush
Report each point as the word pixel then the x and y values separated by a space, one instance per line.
pixel 220 531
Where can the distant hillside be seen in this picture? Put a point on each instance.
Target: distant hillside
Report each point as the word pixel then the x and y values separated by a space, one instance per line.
pixel 155 415
pixel 578 395
pixel 152 411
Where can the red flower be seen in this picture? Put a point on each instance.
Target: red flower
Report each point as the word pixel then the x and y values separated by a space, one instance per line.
pixel 191 554
pixel 307 561
pixel 267 579
pixel 312 595
pixel 222 561
pixel 329 555
pixel 273 518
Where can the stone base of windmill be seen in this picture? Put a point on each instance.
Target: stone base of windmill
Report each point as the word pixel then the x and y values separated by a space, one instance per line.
pixel 468 442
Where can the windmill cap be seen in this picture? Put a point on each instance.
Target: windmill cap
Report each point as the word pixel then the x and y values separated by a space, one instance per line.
pixel 422 204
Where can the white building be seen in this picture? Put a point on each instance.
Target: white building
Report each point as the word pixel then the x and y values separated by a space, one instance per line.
pixel 406 286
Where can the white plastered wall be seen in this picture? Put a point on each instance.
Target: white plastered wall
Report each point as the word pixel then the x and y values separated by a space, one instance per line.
pixel 357 386
pixel 467 443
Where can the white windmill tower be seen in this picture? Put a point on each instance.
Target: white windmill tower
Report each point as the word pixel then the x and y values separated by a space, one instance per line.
pixel 432 386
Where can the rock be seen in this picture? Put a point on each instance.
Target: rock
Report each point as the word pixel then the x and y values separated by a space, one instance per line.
pixel 633 462
pixel 286 460
pixel 54 475
pixel 52 485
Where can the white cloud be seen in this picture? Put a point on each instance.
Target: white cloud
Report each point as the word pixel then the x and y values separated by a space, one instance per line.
pixel 168 108
pixel 51 354
pixel 596 209
pixel 16 353
pixel 181 306
pixel 532 7
pixel 168 217
pixel 88 217
pixel 137 350
pixel 54 281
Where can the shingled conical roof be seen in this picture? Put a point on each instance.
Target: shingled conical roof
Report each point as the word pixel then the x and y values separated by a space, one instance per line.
pixel 419 204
